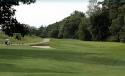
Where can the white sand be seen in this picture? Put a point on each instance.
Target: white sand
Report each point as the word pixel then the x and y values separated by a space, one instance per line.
pixel 45 47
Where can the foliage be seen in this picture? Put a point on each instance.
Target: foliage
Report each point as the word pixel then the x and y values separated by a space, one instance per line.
pixel 83 32
pixel 42 32
pixel 7 20
pixel 53 30
pixel 92 7
pixel 67 28
pixel 99 25
pixel 17 36
pixel 117 16
pixel 104 21
pixel 10 29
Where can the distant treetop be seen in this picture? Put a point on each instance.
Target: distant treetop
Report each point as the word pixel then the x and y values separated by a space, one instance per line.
pixel 16 2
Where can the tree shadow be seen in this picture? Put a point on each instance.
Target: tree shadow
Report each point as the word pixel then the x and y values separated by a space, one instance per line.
pixel 88 58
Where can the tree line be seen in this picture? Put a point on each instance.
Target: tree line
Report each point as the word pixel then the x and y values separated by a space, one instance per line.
pixel 104 21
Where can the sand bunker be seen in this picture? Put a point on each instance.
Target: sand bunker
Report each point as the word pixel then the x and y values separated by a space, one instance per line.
pixel 45 47
pixel 42 44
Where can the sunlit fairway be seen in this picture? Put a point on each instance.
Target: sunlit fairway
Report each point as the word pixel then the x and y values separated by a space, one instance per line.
pixel 67 58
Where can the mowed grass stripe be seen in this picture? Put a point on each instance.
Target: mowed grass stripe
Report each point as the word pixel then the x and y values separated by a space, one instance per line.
pixel 68 58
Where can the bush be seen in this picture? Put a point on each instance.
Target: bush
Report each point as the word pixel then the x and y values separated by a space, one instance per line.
pixel 122 37
pixel 17 36
pixel 112 39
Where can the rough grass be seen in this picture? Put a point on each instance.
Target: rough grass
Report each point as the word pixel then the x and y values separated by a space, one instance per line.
pixel 68 58
pixel 24 40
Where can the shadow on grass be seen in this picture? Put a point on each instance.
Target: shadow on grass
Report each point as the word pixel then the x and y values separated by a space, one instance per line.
pixel 88 58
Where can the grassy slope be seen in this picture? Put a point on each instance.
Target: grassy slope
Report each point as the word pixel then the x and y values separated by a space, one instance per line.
pixel 67 58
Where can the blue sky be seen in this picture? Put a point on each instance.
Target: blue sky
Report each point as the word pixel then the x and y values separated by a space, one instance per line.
pixel 45 12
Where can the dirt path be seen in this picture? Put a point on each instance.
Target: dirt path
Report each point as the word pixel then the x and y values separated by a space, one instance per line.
pixel 45 46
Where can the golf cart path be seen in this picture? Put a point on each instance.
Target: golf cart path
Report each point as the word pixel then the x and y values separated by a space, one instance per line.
pixel 44 41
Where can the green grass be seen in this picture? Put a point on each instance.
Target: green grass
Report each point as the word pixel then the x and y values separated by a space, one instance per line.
pixel 67 58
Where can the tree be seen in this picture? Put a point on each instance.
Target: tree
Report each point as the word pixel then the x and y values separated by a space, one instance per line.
pixel 42 32
pixel 122 34
pixel 9 27
pixel 53 30
pixel 99 25
pixel 23 29
pixel 71 25
pixel 83 32
pixel 116 14
pixel 67 28
pixel 118 24
pixel 33 31
pixel 122 22
pixel 7 20
pixel 92 7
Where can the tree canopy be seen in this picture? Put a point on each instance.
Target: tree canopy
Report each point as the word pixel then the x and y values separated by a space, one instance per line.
pixel 106 23
pixel 8 23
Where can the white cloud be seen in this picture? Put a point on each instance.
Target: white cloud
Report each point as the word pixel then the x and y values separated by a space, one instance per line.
pixel 44 13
